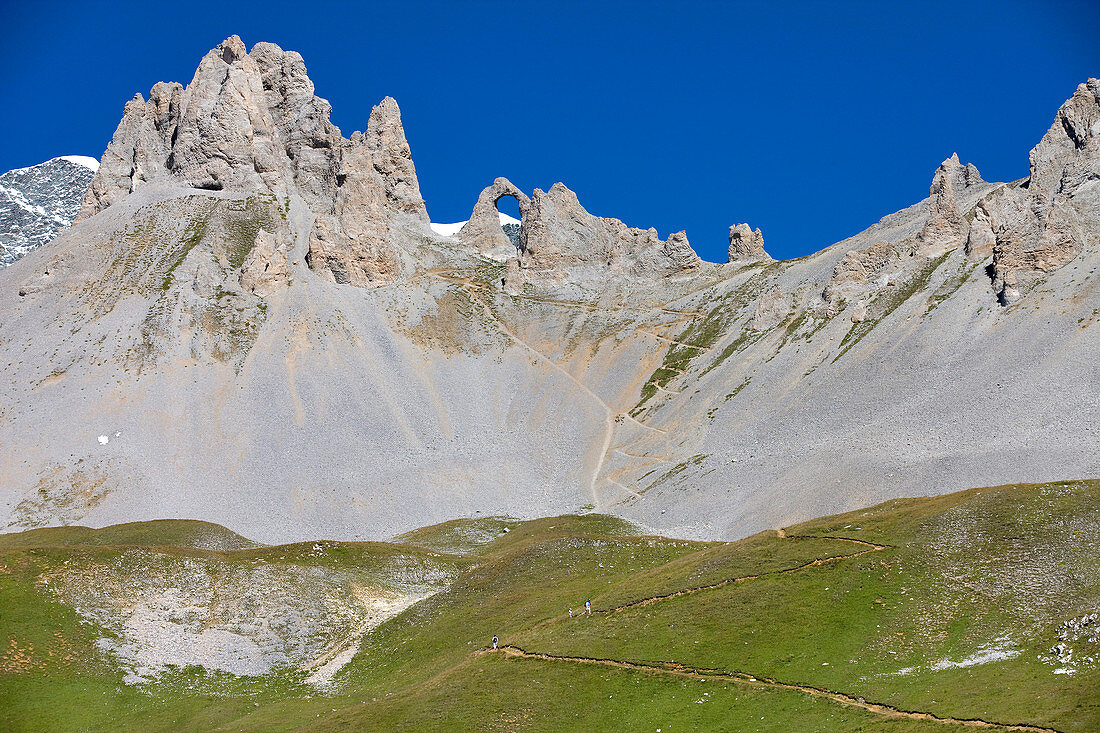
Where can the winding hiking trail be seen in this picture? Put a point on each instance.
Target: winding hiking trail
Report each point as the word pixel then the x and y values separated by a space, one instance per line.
pixel 730 581
pixel 745 678
pixel 678 670
pixel 469 285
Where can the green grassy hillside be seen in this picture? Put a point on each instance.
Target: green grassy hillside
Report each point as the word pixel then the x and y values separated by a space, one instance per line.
pixel 163 532
pixel 914 615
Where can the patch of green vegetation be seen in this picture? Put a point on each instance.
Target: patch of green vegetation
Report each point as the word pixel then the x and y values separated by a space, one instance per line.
pixel 697 338
pixel 793 330
pixel 179 254
pixel 460 536
pixel 951 285
pixel 489 275
pixel 702 333
pixel 744 340
pixel 944 606
pixel 711 412
pixel 167 532
pixel 737 389
pixel 887 302
pixel 675 471
pixel 243 223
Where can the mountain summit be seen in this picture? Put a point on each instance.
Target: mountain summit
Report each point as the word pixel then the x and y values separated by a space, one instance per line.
pixel 254 323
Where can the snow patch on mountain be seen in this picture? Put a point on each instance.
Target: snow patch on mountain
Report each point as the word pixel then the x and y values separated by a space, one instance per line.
pixel 91 164
pixel 449 230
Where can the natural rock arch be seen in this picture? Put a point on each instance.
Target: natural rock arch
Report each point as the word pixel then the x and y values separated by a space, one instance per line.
pixel 483 229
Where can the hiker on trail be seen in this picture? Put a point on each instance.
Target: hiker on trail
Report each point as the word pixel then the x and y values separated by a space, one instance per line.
pixel 588 606
pixel 494 642
pixel 570 613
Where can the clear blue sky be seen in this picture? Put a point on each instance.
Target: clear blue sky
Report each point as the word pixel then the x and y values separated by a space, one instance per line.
pixel 810 120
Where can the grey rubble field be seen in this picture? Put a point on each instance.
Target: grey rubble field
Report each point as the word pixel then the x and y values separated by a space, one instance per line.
pixel 252 323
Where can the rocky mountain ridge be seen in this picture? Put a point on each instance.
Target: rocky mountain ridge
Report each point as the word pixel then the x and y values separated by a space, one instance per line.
pixel 37 201
pixel 256 312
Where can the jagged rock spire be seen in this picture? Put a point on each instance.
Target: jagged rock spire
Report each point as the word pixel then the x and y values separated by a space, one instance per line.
pixel 250 121
pixel 746 245
pixel 226 137
pixel 946 229
pixel 1068 156
pixel 138 152
pixel 352 240
pixel 217 133
pixel 1034 227
pixel 392 158
pixel 560 236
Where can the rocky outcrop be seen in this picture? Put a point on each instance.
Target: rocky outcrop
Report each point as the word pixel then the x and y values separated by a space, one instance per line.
pixel 560 237
pixel 217 133
pixel 266 268
pixel 392 159
pixel 512 282
pixel 946 229
pixel 251 121
pixel 1028 244
pixel 980 236
pixel 483 231
pixel 352 242
pixel 138 152
pixel 771 310
pixel 1068 156
pixel 859 269
pixel 311 140
pixel 1040 226
pixel 226 137
pixel 746 245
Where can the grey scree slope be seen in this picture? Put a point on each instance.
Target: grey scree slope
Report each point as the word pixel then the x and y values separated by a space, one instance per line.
pixel 254 314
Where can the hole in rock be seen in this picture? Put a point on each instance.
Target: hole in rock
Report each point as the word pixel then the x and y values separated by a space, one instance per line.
pixel 508 208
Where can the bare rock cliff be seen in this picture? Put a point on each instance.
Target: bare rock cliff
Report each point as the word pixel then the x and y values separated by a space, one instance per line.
pixel 250 121
pixel 1041 225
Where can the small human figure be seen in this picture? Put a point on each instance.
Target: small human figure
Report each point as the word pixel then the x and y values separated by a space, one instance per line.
pixel 570 613
pixel 494 642
pixel 588 606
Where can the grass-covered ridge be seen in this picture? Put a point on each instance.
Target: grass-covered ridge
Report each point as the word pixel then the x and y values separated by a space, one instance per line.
pixel 917 614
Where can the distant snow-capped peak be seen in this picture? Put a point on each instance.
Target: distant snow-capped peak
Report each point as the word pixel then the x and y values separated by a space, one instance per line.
pixel 38 201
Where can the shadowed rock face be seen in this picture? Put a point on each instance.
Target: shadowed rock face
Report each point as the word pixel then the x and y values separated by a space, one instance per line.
pixel 197 320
